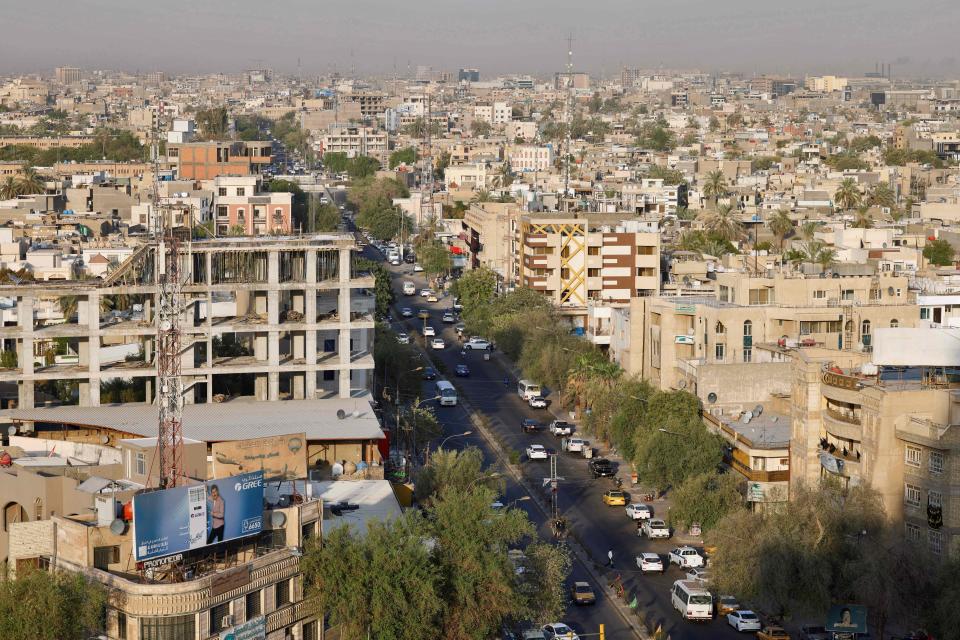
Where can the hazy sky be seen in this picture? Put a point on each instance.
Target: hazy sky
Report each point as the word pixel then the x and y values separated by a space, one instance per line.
pixel 790 36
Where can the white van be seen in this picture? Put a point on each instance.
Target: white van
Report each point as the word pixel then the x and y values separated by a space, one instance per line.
pixel 409 288
pixel 692 600
pixel 446 394
pixel 527 389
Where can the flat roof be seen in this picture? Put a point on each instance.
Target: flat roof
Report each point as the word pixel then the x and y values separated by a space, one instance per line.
pixel 235 420
pixel 766 431
pixel 375 500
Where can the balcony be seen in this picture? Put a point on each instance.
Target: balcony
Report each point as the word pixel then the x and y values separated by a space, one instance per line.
pixel 841 426
pixel 755 475
pixel 927 433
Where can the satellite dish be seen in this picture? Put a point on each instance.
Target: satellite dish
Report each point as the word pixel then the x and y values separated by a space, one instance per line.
pixel 104 439
pixel 711 397
pixel 12 430
pixel 341 414
pixel 278 519
pixel 165 325
pixel 117 527
pixel 758 410
pixel 747 417
pixel 682 383
pixel 336 470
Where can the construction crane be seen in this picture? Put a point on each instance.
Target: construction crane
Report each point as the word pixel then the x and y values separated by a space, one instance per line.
pixel 569 119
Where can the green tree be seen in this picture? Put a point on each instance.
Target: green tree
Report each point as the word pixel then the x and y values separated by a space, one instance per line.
pixel 544 581
pixel 705 499
pixel 452 470
pixel 326 217
pixel 714 123
pixel 10 188
pixel 362 166
pixel 383 287
pixel 434 257
pixel 420 426
pixel 482 196
pixel 668 175
pixel 40 605
pixel 882 195
pixel 480 128
pixel 863 219
pixel 212 123
pixel 939 252
pixel 335 161
pixel 764 163
pixel 847 195
pixel 721 223
pixel 30 182
pixel 407 155
pixel 656 137
pixel 780 225
pixel 715 185
pixel 8 359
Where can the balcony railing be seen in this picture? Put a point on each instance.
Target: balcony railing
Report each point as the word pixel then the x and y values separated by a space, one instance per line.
pixel 842 417
pixel 841 380
pixel 755 475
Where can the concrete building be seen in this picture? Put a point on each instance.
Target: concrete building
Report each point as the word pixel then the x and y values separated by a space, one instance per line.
pixel 825 84
pixel 355 141
pixel 489 232
pixel 272 317
pixel 67 75
pixel 238 202
pixel 495 113
pixel 207 160
pixel 528 157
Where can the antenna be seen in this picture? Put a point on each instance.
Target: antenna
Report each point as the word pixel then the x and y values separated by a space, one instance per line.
pixel 569 119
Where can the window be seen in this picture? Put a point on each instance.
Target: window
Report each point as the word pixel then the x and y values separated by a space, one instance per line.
pixel 912 532
pixel 645 251
pixel 934 499
pixel 307 530
pixel 720 329
pixel 912 456
pixel 217 615
pixel 222 211
pixel 565 273
pixel 874 294
pixel 935 538
pixel 168 628
pixel 283 593
pixel 865 328
pixel 253 604
pixel 38 509
pixel 222 191
pixel 894 323
pixel 141 464
pixel 241 214
pixel 846 294
pixel 935 462
pixel 819 294
pixel 747 328
pixel 310 631
pixel 747 354
pixel 593 273
pixel 105 556
pixel 121 625
pixel 329 375
pixel 720 351
pixel 924 313
pixel 241 191
pixel 911 495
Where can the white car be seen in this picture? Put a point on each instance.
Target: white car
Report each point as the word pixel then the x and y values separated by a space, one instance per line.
pixel 409 288
pixel 577 444
pixel 477 343
pixel 536 452
pixel 558 631
pixel 438 344
pixel 637 511
pixel 650 563
pixel 429 332
pixel 403 338
pixel 417 268
pixel 699 574
pixel 449 318
pixel 685 557
pixel 538 402
pixel 656 528
pixel 560 427
pixel 425 293
pixel 743 620
pixel 406 312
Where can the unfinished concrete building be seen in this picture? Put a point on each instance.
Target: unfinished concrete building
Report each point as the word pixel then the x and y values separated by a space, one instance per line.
pixel 272 318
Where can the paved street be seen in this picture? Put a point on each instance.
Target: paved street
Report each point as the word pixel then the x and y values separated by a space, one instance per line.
pixel 597 527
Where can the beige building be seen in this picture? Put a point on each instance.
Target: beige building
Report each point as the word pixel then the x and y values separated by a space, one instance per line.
pixel 355 141
pixel 489 232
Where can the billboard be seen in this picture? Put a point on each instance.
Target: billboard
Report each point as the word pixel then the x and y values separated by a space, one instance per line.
pixel 183 518
pixel 279 457
pixel 847 619
pixel 255 629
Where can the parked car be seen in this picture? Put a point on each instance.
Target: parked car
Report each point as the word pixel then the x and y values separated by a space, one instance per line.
pixel 601 468
pixel 638 511
pixel 773 632
pixel 684 556
pixel 425 293
pixel 656 528
pixel 561 428
pixel 536 452
pixel 417 268
pixel 532 634
pixel 577 445
pixel 406 312
pixel 537 402
pixel 477 343
pixel 429 373
pixel 463 371
pixel 743 620
pixel 438 344
pixel 582 593
pixel 429 332
pixel 559 631
pixel 726 604
pixel 699 574
pixel 456 304
pixel 529 425
pixel 614 498
pixel 650 563
pixel 449 318
pixel 403 338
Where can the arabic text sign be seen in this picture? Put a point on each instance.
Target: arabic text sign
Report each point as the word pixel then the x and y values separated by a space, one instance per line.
pixel 277 456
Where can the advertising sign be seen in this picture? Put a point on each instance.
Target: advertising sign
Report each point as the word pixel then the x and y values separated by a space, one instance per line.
pixel 255 629
pixel 184 518
pixel 847 619
pixel 279 457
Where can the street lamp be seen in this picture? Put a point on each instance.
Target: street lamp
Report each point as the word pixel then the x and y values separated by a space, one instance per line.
pixel 456 435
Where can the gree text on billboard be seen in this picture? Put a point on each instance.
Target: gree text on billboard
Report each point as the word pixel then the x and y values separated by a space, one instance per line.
pixel 184 518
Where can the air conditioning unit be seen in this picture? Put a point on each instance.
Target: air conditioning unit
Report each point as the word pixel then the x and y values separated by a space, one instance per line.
pixel 226 621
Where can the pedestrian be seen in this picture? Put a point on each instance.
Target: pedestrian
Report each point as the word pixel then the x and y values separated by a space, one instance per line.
pixel 610 558
pixel 639 528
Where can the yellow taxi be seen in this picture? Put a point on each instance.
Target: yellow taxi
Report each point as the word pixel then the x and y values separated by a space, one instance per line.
pixel 615 498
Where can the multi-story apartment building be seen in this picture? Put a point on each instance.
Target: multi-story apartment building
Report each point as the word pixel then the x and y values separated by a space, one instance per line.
pixel 650 196
pixel 372 104
pixel 207 160
pixel 529 157
pixel 825 84
pixel 489 233
pixel 68 75
pixel 355 141
pixel 268 317
pixel 495 113
pixel 238 202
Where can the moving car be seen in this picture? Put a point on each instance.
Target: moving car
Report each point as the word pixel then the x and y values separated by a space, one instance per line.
pixel 558 631
pixel 726 604
pixel 692 600
pixel 527 389
pixel 463 371
pixel 577 445
pixel 561 428
pixel 432 297
pixel 650 563
pixel 601 468
pixel 529 425
pixel 406 312
pixel 685 557
pixel 773 632
pixel 429 373
pixel 477 343
pixel 743 620
pixel 656 528
pixel 449 318
pixel 425 293
pixel 638 511
pixel 438 343
pixel 429 332
pixel 403 338
pixel 537 402
pixel 536 452
pixel 409 288
pixel 614 498
pixel 582 593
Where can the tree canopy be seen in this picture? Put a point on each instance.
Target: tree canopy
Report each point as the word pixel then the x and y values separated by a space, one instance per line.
pixel 40 605
pixel 407 155
pixel 939 252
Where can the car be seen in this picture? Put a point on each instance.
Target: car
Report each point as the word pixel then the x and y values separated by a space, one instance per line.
pixel 432 298
pixel 449 318
pixel 537 402
pixel 743 620
pixel 638 511
pixel 699 574
pixel 429 332
pixel 655 528
pixel 429 373
pixel 477 343
pixel 423 314
pixel 457 305
pixel 558 631
pixel 773 632
pixel 403 338
pixel 536 452
pixel 409 288
pixel 577 445
pixel 582 593
pixel 406 312
pixel 532 634
pixel 601 468
pixel 614 498
pixel 529 425
pixel 686 557
pixel 395 261
pixel 417 268
pixel 726 604
pixel 650 563
pixel 460 327
pixel 463 371
pixel 561 428
pixel 814 632
pixel 425 293
pixel 438 343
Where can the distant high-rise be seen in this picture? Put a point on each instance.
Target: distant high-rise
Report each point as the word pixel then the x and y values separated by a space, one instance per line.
pixel 67 75
pixel 468 75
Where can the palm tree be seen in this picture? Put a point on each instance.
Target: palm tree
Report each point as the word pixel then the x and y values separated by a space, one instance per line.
pixel 504 176
pixel 847 195
pixel 715 185
pixel 825 256
pixel 863 219
pixel 10 188
pixel 780 225
pixel 482 196
pixel 30 182
pixel 881 195
pixel 721 223
pixel 807 229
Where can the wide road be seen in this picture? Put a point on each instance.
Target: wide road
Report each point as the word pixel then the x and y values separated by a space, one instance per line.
pixel 598 527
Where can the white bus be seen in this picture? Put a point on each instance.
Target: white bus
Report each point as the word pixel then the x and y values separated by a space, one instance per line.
pixel 691 600
pixel 527 389
pixel 446 394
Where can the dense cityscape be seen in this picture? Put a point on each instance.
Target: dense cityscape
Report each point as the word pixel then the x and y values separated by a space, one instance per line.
pixel 454 353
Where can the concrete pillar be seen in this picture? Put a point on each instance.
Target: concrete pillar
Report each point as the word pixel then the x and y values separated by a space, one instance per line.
pixel 261 305
pixel 273 378
pixel 208 267
pixel 261 349
pixel 93 350
pixel 311 266
pixel 273 267
pixel 260 386
pixel 299 386
pixel 343 306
